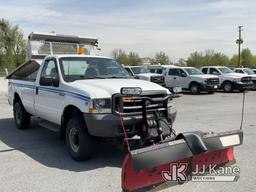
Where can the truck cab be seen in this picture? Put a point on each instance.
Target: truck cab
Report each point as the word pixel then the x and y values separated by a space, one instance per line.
pixel 81 96
pixel 190 78
pixel 229 80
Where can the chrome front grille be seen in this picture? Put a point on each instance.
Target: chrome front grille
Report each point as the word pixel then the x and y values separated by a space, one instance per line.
pixel 246 79
pixel 157 79
pixel 213 81
pixel 134 105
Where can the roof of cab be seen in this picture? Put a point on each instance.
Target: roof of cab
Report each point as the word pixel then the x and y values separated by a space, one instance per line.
pixel 54 37
pixel 79 56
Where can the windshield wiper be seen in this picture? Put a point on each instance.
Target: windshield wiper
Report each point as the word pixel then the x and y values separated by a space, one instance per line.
pixel 95 77
pixel 116 77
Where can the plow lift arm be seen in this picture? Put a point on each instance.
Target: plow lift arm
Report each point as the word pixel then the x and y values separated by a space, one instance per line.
pixel 143 168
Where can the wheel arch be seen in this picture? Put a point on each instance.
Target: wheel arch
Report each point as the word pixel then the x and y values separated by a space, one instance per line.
pixel 226 81
pixel 16 97
pixel 68 112
pixel 193 82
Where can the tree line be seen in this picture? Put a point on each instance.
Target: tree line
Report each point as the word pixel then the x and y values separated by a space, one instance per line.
pixel 195 59
pixel 13 47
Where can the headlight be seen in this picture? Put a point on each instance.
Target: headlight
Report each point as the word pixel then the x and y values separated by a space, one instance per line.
pixel 237 79
pixel 169 103
pixel 100 106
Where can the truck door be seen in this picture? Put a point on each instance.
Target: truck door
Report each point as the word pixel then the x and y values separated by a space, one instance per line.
pixel 173 78
pixel 48 97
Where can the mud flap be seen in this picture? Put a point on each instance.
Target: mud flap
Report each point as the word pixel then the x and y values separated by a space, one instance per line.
pixel 143 168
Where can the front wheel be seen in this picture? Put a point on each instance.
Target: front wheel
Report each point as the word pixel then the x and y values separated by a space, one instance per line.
pixel 227 87
pixel 79 141
pixel 21 116
pixel 194 88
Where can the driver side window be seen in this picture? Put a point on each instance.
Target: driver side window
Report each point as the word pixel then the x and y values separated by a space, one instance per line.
pixel 182 73
pixel 50 70
pixel 214 71
pixel 239 71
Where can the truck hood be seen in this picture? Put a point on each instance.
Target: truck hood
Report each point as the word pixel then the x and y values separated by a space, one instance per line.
pixel 235 75
pixel 148 75
pixel 105 88
pixel 204 76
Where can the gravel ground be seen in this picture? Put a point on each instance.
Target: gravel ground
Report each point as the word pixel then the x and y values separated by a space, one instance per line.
pixel 36 160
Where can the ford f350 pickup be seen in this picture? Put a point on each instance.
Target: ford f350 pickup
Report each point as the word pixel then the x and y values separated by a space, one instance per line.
pixel 79 95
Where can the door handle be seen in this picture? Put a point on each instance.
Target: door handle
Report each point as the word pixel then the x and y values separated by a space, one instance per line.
pixel 174 78
pixel 61 94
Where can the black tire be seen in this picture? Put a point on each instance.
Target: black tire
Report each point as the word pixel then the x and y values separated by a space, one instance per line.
pixel 79 142
pixel 227 87
pixel 21 116
pixel 211 92
pixel 194 88
pixel 254 86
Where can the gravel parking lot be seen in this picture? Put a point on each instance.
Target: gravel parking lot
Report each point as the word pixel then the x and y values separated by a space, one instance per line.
pixel 36 160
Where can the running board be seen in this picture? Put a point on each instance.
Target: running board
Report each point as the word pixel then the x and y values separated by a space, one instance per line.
pixel 49 125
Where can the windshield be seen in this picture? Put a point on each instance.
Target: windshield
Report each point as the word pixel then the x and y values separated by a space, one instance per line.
pixel 193 71
pixel 249 71
pixel 138 70
pixel 77 68
pixel 225 70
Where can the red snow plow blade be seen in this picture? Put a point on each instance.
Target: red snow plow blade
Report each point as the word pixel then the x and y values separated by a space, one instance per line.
pixel 150 168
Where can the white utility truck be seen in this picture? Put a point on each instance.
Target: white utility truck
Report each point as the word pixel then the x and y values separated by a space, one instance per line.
pixel 80 95
pixel 229 80
pixel 190 78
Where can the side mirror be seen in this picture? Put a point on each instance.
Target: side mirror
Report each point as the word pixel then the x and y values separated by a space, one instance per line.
pixel 183 75
pixel 49 81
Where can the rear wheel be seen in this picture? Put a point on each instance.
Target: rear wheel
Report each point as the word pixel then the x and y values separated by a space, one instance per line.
pixel 227 87
pixel 194 88
pixel 21 116
pixel 79 141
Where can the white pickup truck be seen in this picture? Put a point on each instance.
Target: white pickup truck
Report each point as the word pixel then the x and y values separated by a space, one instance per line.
pixel 143 73
pixel 229 80
pixel 80 96
pixel 247 71
pixel 190 78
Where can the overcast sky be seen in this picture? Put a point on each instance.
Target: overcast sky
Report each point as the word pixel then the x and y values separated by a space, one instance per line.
pixel 145 26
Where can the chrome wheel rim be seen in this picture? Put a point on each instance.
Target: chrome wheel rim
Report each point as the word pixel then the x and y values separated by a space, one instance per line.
pixel 74 139
pixel 227 87
pixel 194 89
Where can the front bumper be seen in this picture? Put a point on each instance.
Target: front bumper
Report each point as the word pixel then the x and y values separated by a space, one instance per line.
pixel 242 86
pixel 206 87
pixel 109 125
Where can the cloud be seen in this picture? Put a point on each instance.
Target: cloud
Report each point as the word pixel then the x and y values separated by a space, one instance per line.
pixel 145 26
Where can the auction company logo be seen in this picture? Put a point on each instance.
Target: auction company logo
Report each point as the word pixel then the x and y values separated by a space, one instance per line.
pixel 178 172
